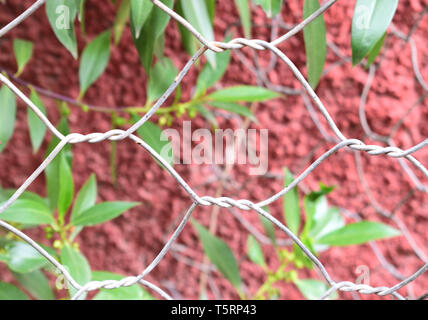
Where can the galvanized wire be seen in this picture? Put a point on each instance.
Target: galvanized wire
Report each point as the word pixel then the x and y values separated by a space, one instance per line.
pixel 309 97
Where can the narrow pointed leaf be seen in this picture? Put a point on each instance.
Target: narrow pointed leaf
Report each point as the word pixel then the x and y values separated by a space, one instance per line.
pixel 122 17
pixel 36 126
pixel 358 233
pixel 196 12
pixel 94 61
pixel 140 11
pixel 28 212
pixel 234 107
pixel 102 212
pixel 220 255
pixel 255 252
pixel 61 15
pixel 152 29
pixel 23 51
pixel 291 204
pixel 242 93
pixel 85 198
pixel 7 115
pixel 315 43
pixel 66 186
pixel 245 16
pixel 369 23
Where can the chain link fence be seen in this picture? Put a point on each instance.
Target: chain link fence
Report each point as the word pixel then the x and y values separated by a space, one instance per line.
pixel 405 158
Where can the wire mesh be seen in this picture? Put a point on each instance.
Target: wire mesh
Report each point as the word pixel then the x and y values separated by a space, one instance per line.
pixel 309 97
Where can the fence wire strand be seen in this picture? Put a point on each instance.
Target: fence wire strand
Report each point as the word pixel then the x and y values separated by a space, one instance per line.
pixel 309 97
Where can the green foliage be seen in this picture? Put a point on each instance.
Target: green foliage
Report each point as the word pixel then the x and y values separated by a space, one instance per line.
pixel 152 29
pixel 23 51
pixel 323 227
pixel 36 126
pixel 291 204
pixel 94 61
pixel 77 266
pixel 369 23
pixel 245 15
pixel 220 255
pixel 10 292
pixel 140 11
pixel 315 43
pixel 196 12
pixel 358 233
pixel 255 252
pixel 271 7
pixel 30 210
pixel 122 17
pixel 61 15
pixel 7 115
pixel 242 93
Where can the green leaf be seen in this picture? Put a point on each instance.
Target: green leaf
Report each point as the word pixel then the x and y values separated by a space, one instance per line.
pixel 77 266
pixel 271 7
pixel 220 255
pixel 196 12
pixel 268 227
pixel 7 115
pixel 102 212
pixel 61 15
pixel 152 30
pixel 291 204
pixel 315 203
pixel 28 212
pixel 66 186
pixel 94 61
pixel 210 75
pixel 140 11
pixel 358 233
pixel 122 17
pixel 85 198
pixel 245 16
pixel 36 283
pixel 369 23
pixel 5 194
pixel 234 107
pixel 10 292
pixel 23 258
pixel 23 51
pixel 211 9
pixel 313 289
pixel 155 138
pixel 207 114
pixel 52 170
pixel 315 43
pixel 374 52
pixel 188 41
pixel 161 76
pixel 325 221
pixel 36 126
pixel 134 292
pixel 255 252
pixel 242 93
